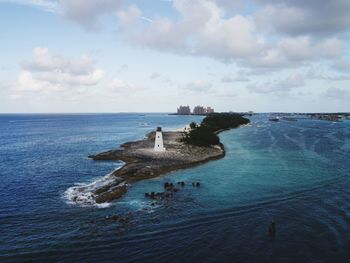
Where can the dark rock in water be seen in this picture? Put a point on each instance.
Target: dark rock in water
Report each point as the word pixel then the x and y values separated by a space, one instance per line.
pixel 198 184
pixel 146 194
pixel 272 229
pixel 124 220
pixel 114 217
pixel 114 193
pixel 166 185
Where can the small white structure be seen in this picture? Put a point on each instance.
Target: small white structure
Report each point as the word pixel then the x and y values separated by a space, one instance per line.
pixel 158 142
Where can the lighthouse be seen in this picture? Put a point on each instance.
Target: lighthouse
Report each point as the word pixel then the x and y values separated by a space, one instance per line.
pixel 158 142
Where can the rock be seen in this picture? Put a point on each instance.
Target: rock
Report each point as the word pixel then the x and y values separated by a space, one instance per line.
pixel 198 184
pixel 272 229
pixel 112 194
pixel 181 183
pixel 114 217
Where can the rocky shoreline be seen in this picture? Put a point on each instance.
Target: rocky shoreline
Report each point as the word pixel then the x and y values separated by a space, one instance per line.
pixel 142 162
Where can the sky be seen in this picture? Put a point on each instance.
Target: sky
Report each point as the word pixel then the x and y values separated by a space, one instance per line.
pixel 75 56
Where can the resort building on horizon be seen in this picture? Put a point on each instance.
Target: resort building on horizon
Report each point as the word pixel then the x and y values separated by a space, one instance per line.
pixel 184 110
pixel 198 110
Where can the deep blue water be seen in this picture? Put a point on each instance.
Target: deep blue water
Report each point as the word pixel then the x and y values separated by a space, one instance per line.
pixel 295 173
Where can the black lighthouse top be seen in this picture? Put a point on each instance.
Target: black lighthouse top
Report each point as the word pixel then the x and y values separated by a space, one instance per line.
pixel 159 129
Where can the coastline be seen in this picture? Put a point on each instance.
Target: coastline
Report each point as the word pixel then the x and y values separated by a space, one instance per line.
pixel 141 162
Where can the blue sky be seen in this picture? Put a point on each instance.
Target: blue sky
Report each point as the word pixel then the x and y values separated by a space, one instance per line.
pixel 152 56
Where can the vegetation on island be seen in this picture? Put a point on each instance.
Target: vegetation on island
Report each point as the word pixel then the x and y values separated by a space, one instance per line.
pixel 205 133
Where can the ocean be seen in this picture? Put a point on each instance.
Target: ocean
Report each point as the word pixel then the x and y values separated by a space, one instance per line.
pixel 293 173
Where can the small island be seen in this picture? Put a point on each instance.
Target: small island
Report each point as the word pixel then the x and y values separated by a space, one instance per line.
pixel 197 144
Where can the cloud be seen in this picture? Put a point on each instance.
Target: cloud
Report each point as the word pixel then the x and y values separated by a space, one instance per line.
pixel 121 86
pixel 230 79
pixel 86 12
pixel 198 86
pixel 337 94
pixel 278 87
pixel 129 16
pixel 312 74
pixel 46 5
pixel 342 65
pixel 300 17
pixel 256 34
pixel 155 75
pixel 47 72
pixel 205 28
pixel 201 31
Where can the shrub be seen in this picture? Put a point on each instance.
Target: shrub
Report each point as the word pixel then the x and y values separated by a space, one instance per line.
pixel 201 136
pixel 204 134
pixel 219 121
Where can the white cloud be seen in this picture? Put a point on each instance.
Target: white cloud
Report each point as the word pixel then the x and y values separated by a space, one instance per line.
pixel 198 86
pixel 342 65
pixel 230 79
pixel 304 48
pixel 155 75
pixel 205 29
pixel 47 72
pixel 313 74
pixel 129 16
pixel 278 87
pixel 300 17
pixel 46 5
pixel 121 86
pixel 86 12
pixel 337 94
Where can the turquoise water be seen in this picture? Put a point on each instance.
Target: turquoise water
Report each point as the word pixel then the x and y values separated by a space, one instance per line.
pixel 295 173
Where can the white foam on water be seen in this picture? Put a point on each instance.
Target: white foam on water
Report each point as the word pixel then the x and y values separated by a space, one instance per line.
pixel 82 194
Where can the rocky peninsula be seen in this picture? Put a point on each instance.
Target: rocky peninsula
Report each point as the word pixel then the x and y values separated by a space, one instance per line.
pixel 184 149
pixel 142 162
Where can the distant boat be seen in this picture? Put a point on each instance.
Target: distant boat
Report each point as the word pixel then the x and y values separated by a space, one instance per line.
pixel 274 118
pixel 145 124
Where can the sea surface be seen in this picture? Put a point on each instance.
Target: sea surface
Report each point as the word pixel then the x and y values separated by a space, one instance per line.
pixel 296 173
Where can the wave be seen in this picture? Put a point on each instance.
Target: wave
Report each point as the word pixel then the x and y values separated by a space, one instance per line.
pixel 83 194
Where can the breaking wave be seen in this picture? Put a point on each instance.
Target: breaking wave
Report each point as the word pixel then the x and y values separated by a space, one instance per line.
pixel 83 194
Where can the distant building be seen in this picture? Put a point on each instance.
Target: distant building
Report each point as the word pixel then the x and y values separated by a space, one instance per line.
pixel 184 110
pixel 210 110
pixel 199 110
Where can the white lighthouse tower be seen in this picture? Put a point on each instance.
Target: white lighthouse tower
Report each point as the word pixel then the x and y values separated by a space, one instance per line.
pixel 158 142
